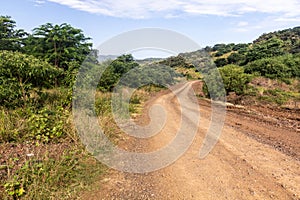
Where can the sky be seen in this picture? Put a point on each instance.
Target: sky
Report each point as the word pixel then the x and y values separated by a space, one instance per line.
pixel 206 22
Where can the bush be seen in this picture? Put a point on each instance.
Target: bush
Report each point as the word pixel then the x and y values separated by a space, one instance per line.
pixel 20 73
pixel 220 62
pixel 236 58
pixel 280 67
pixel 240 46
pixel 47 115
pixel 46 125
pixel 234 79
pixel 265 49
pixel 275 96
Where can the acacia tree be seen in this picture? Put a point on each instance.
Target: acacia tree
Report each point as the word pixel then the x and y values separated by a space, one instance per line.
pixel 58 44
pixel 10 38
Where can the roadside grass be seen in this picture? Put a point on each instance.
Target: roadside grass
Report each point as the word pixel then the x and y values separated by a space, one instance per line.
pixel 277 92
pixel 55 177
pixel 41 156
pixel 279 97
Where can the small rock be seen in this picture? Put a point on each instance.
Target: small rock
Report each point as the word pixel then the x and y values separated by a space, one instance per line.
pixel 283 186
pixel 252 192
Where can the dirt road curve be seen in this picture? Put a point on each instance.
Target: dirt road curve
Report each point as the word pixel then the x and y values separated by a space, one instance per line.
pixel 247 163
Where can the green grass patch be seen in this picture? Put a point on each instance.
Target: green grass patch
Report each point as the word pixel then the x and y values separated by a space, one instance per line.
pixel 278 96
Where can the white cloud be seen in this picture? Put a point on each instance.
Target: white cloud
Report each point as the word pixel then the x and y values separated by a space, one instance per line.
pixel 39 2
pixel 242 26
pixel 166 8
pixel 266 24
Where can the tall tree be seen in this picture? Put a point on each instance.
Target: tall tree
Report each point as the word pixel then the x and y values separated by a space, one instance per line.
pixel 10 38
pixel 58 44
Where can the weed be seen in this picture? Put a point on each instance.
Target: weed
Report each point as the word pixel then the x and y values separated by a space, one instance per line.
pixel 278 96
pixel 54 178
pixel 46 124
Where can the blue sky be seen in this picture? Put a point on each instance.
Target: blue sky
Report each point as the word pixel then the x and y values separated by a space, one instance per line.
pixel 205 21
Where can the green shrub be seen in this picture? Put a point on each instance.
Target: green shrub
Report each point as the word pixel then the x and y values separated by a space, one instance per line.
pixel 265 49
pixel 234 79
pixel 280 67
pixel 236 58
pixel 20 73
pixel 41 125
pixel 278 96
pixel 46 125
pixel 220 62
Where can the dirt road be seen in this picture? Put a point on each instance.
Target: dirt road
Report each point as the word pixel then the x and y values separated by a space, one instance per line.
pixel 253 159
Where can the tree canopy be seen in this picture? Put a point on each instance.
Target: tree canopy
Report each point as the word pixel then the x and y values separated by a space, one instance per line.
pixel 10 37
pixel 58 44
pixel 280 67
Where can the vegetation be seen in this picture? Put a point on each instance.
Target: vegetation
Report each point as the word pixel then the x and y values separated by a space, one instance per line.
pixel 115 70
pixel 290 38
pixel 37 74
pixel 273 55
pixel 10 38
pixel 277 67
pixel 234 79
pixel 58 44
pixel 266 46
pixel 20 74
pixel 52 178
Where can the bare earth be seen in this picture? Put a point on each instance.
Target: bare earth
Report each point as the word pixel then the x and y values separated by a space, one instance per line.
pixel 256 157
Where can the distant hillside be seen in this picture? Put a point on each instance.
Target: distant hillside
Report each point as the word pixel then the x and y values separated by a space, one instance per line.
pixel 266 70
pixel 147 61
pixel 290 37
pixel 268 45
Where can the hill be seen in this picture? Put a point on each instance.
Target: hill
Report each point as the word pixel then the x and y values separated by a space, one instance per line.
pixel 265 71
pixel 290 37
